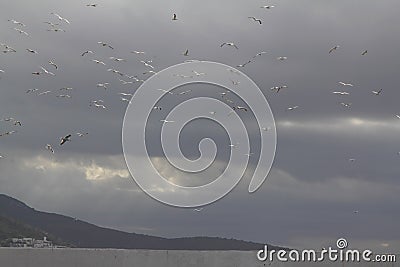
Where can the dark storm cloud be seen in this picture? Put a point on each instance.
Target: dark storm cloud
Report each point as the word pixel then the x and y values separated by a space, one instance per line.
pixel 313 189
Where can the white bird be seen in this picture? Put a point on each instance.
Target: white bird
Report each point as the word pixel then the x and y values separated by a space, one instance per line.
pixel 21 31
pixel 146 63
pixel 87 52
pixel 125 82
pixel 352 160
pixel 165 91
pixel 259 54
pixel 138 52
pixel 81 134
pixel 256 20
pixel 240 108
pixel 347 105
pixel 52 24
pixel 50 148
pixel 125 99
pixel 377 92
pixel 126 94
pixel 66 88
pixel 105 44
pixel 244 64
pixel 346 84
pixel 31 51
pixel 334 48
pixel 32 90
pixel 53 64
pixel 292 108
pixel 341 93
pixel 17 22
pixel 65 139
pixel 60 18
pixel 398 116
pixel 56 30
pixel 235 82
pixel 102 85
pixel 47 72
pixel 234 71
pixel 278 88
pixel 266 129
pixel 8 133
pixel 281 58
pixel 166 121
pixel 91 5
pixel 198 210
pixel 198 73
pixel 98 62
pixel 44 93
pixel 364 53
pixel 185 92
pixel 157 108
pixel 229 44
pixel 149 72
pixel 117 59
pixel 99 105
pixel 64 96
pixel 267 7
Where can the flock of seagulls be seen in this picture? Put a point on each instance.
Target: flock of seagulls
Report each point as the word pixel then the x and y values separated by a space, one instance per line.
pixel 126 79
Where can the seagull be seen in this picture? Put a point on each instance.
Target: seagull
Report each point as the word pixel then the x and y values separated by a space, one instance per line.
pixel 117 59
pixel 17 123
pixel 64 96
pixel 364 53
pixel 146 63
pixel 47 72
pixel 346 84
pixel 229 44
pixel 50 148
pixel 278 88
pixel 185 92
pixel 234 83
pixel 60 18
pixel 138 52
pixel 81 134
pixel 98 104
pixel 125 99
pixel 186 53
pixel 355 211
pixel 166 121
pixel 98 62
pixel 352 160
pixel 56 30
pixel 7 133
pixel 17 22
pixel 377 92
pixel 174 17
pixel 256 20
pixel 165 91
pixel 52 24
pixel 240 108
pixel 87 52
pixel 244 64
pixel 44 93
pixel 125 82
pixel 266 129
pixel 234 71
pixel 198 73
pixel 66 88
pixel 150 71
pixel 333 48
pixel 398 116
pixel 259 54
pixel 267 7
pixel 53 64
pixel 126 94
pixel 341 93
pixel 347 105
pixel 281 58
pixel 103 85
pixel 65 139
pixel 105 44
pixel 37 73
pixel 31 51
pixel 158 108
pixel 292 108
pixel 198 210
pixel 21 31
pixel 116 71
pixel 32 90
pixel 91 5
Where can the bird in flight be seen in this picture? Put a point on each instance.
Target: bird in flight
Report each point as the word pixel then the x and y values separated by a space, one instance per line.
pixel 256 20
pixel 364 53
pixel 174 17
pixel 31 51
pixel 267 7
pixel 346 84
pixel 138 52
pixel 292 108
pixel 81 134
pixel 17 22
pixel 21 31
pixel 98 62
pixel 60 18
pixel 102 85
pixel 334 48
pixel 47 72
pixel 244 64
pixel 50 148
pixel 91 5
pixel 166 121
pixel 229 44
pixel 346 105
pixel 105 44
pixel 377 92
pixel 87 52
pixel 53 64
pixel 341 93
pixel 278 88
pixel 65 139
pixel 186 53
pixel 281 58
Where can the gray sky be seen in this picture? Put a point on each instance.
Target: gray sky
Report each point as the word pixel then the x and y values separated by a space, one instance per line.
pixel 310 195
